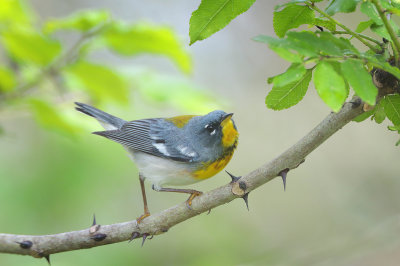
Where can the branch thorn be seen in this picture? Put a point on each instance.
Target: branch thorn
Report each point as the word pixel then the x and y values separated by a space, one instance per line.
pixel 246 199
pixel 145 235
pixel 134 236
pixel 95 227
pixel 283 174
pixel 234 178
pixel 47 257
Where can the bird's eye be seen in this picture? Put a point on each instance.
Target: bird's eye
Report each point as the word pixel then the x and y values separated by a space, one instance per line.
pixel 211 129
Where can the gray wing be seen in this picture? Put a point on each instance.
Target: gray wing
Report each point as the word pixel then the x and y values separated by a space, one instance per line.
pixel 153 136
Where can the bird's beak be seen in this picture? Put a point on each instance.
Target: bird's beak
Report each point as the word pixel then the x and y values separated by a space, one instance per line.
pixel 226 118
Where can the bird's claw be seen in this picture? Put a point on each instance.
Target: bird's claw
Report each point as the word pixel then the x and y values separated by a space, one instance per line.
pixel 140 219
pixel 192 196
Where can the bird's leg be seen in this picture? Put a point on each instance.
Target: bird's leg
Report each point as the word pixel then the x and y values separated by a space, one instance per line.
pixel 146 209
pixel 193 193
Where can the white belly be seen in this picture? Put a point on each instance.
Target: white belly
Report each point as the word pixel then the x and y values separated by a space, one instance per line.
pixel 160 171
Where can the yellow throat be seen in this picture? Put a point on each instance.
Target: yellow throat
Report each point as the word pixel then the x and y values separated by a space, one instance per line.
pixel 229 133
pixel 229 141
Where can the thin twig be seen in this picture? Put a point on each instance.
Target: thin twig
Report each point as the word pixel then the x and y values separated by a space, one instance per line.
pixel 361 35
pixel 389 28
pixel 349 31
pixel 43 246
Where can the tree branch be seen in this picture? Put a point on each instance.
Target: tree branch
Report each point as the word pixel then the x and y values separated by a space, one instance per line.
pixel 43 246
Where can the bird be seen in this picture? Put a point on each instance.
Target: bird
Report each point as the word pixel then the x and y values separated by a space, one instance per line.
pixel 176 151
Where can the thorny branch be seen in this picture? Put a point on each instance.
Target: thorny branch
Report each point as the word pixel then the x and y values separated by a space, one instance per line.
pixel 42 246
pixel 96 235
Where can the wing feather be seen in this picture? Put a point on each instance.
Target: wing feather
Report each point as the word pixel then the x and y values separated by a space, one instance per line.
pixel 146 135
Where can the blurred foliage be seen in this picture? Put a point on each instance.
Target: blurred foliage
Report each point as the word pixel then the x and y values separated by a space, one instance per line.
pixel 181 93
pixel 38 69
pixel 98 80
pixel 128 40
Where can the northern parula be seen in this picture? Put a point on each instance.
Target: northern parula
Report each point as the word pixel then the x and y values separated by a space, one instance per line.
pixel 180 150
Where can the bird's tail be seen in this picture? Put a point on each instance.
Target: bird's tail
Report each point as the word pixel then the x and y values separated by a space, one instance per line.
pixel 108 121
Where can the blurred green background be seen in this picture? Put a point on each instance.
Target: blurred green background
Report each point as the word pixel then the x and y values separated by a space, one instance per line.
pixel 341 207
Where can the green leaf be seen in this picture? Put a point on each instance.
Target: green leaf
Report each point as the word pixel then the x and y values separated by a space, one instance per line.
pixel 47 115
pixel 291 17
pixel 130 40
pixel 386 4
pixel 213 15
pixel 345 6
pixel 100 81
pixel 286 96
pixel 305 43
pixel 382 31
pixel 360 80
pixel 396 3
pixel 293 2
pixel 330 85
pixel 336 66
pixel 394 128
pixel 15 12
pixel 379 114
pixel 293 73
pixel 395 11
pixel 308 44
pixel 391 106
pixel 81 21
pixel 327 24
pixel 329 44
pixel 7 80
pixel 369 9
pixel 29 46
pixel 279 46
pixel 364 25
pixel 363 116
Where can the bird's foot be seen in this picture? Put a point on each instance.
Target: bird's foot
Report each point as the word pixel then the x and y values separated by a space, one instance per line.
pixel 192 196
pixel 140 219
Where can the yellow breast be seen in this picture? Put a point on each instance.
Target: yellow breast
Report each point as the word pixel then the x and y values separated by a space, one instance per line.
pixel 210 169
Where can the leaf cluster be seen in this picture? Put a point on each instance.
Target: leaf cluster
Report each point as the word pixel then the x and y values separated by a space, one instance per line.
pixel 322 50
